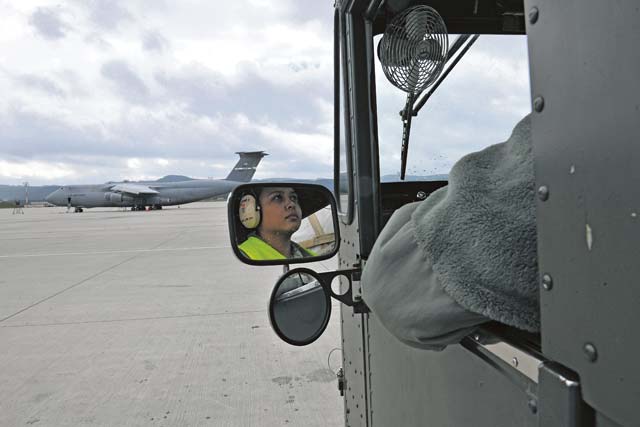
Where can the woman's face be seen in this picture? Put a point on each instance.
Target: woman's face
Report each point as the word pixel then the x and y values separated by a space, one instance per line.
pixel 281 212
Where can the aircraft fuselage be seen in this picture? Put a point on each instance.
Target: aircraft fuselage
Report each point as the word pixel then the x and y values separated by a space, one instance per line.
pixel 168 194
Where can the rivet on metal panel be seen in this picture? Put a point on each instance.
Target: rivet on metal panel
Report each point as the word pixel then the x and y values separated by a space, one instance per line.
pixel 547 282
pixel 533 406
pixel 543 192
pixel 533 15
pixel 538 104
pixel 591 352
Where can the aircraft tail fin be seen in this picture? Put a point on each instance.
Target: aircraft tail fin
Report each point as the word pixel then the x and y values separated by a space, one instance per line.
pixel 245 168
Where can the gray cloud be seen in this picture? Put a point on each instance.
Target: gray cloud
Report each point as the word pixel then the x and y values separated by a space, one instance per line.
pixel 74 83
pixel 96 39
pixel 146 136
pixel 153 41
pixel 108 14
pixel 42 84
pixel 126 81
pixel 48 22
pixel 303 66
pixel 35 136
pixel 292 106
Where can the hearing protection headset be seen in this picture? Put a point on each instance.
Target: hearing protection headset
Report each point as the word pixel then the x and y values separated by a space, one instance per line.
pixel 249 211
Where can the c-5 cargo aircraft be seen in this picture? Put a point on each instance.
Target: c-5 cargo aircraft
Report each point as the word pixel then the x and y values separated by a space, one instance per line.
pixel 154 194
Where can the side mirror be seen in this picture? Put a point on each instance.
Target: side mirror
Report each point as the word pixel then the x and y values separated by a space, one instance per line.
pixel 283 223
pixel 300 308
pixel 300 304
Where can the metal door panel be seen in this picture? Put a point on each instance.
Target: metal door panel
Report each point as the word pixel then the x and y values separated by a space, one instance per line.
pixel 411 387
pixel 586 96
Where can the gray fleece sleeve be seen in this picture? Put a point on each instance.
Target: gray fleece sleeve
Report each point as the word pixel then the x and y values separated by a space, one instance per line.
pixel 404 293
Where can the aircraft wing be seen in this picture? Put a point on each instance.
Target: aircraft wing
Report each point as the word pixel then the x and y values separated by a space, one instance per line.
pixel 133 189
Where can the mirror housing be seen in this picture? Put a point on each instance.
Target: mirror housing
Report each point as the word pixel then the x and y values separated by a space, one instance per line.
pixel 299 308
pixel 267 219
pixel 300 304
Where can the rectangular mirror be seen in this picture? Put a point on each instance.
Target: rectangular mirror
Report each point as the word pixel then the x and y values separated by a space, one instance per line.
pixel 283 223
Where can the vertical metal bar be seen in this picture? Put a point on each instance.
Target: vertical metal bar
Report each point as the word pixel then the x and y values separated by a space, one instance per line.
pixel 336 105
pixel 363 125
pixel 406 133
pixel 345 60
pixel 560 401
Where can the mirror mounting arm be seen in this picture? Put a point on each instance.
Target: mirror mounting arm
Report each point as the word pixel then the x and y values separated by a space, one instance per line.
pixel 348 299
pixel 360 307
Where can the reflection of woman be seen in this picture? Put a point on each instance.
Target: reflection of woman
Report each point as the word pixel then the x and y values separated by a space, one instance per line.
pixel 275 214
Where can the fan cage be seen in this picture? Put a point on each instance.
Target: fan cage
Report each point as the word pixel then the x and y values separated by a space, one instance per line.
pixel 413 49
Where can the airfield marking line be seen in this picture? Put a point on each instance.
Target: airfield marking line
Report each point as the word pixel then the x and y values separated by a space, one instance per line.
pixel 124 251
pixel 134 319
pixel 84 280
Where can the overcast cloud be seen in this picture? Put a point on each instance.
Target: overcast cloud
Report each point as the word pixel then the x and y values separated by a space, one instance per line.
pixel 105 90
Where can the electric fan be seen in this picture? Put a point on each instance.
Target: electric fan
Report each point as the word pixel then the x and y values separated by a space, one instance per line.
pixel 413 52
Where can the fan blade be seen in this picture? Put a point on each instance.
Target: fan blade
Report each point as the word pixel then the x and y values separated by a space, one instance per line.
pixel 396 50
pixel 429 50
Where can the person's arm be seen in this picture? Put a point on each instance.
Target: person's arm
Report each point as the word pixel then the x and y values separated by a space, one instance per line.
pixel 402 290
pixel 465 255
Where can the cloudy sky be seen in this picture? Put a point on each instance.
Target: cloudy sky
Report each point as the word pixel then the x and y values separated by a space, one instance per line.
pixel 98 90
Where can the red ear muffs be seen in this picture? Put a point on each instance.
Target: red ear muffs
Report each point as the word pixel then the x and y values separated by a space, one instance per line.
pixel 249 211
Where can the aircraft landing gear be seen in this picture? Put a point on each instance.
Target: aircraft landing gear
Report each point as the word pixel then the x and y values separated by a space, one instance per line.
pixel 78 209
pixel 144 208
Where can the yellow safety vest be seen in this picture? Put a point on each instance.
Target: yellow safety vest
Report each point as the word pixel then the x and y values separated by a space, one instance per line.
pixel 257 249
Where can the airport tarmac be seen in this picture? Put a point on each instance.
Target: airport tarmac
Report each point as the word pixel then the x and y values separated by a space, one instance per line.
pixel 119 318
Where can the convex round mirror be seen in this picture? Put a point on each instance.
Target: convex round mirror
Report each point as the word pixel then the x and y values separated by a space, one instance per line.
pixel 300 308
pixel 282 223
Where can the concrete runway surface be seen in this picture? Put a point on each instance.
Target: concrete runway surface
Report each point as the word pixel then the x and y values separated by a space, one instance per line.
pixel 112 318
